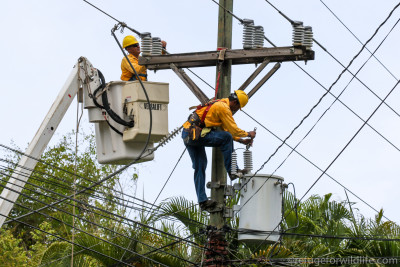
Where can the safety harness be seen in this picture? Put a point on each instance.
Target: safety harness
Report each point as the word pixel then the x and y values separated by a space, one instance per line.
pixel 133 78
pixel 197 124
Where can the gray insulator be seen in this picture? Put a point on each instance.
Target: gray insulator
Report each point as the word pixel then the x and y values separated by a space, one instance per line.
pixel 308 37
pixel 234 163
pixel 156 46
pixel 146 44
pixel 248 160
pixel 298 33
pixel 248 33
pixel 258 37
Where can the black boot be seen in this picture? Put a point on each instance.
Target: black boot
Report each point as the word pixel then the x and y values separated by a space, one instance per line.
pixel 208 205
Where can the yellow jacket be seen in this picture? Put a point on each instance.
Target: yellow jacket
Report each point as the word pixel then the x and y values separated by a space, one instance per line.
pixel 220 115
pixel 127 71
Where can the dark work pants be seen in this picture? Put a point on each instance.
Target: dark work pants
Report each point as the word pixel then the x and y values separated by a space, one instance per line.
pixel 197 152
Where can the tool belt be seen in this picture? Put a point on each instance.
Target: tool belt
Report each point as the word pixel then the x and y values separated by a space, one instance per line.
pixel 196 123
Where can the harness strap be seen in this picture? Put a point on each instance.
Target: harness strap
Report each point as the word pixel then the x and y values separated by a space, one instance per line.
pixel 207 109
pixel 133 78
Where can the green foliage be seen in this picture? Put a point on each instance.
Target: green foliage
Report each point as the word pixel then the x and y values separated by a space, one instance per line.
pixel 11 253
pixel 23 246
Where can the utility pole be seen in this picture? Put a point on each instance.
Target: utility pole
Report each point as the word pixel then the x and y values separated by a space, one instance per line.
pixel 217 243
pixel 218 172
pixel 216 253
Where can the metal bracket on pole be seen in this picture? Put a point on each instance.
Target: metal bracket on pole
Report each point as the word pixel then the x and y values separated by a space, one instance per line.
pixel 189 83
pixel 237 186
pixel 263 80
pixel 228 213
pixel 228 191
pixel 214 184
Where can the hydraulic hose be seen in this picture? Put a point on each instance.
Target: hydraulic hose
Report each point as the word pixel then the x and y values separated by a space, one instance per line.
pixel 107 107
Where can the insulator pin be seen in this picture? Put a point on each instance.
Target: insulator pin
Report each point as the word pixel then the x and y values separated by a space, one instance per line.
pixel 146 45
pixel 298 33
pixel 156 46
pixel 248 33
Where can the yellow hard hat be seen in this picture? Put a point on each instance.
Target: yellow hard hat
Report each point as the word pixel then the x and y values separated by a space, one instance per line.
pixel 129 40
pixel 243 98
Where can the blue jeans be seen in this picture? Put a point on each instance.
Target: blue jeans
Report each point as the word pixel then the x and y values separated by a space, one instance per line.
pixel 197 153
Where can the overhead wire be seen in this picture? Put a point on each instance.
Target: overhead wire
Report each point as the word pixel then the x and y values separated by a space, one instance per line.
pixel 358 39
pixel 66 240
pixel 350 61
pixel 354 76
pixel 131 163
pixel 169 176
pixel 96 224
pixel 70 225
pixel 366 238
pixel 163 186
pixel 313 164
pixel 71 173
pixel 91 206
pixel 326 111
pixel 343 149
pixel 326 89
pixel 153 208
pixel 371 114
pixel 323 96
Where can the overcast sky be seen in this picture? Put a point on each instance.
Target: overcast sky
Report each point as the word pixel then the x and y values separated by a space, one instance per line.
pixel 42 40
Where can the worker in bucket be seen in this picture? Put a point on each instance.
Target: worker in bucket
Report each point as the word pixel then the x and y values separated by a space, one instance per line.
pixel 132 46
pixel 200 132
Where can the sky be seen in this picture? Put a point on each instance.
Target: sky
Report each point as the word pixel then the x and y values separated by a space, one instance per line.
pixel 42 40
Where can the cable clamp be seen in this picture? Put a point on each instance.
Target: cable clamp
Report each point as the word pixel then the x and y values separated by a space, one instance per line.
pixel 237 186
pixel 214 184
pixel 228 213
pixel 228 191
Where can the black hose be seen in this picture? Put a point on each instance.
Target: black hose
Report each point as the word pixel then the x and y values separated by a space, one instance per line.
pixel 95 94
pixel 108 109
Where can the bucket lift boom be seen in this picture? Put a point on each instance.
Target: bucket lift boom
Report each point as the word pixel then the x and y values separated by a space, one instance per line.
pixel 83 76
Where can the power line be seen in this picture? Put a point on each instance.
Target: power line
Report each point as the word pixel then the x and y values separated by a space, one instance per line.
pixel 163 187
pixel 95 191
pixel 143 209
pixel 94 207
pixel 102 210
pixel 318 102
pixel 181 217
pixel 169 176
pixel 366 238
pixel 87 233
pixel 348 143
pixel 354 76
pixel 66 240
pixel 337 156
pixel 293 149
pixel 322 116
pixel 359 40
pixel 106 228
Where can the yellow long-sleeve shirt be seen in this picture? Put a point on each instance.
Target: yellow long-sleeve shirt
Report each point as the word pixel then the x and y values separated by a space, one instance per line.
pixel 220 115
pixel 127 71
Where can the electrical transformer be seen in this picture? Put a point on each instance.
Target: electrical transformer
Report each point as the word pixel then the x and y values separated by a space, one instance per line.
pixel 260 208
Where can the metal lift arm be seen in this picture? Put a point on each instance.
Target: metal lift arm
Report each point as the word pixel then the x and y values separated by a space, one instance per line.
pixel 84 76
